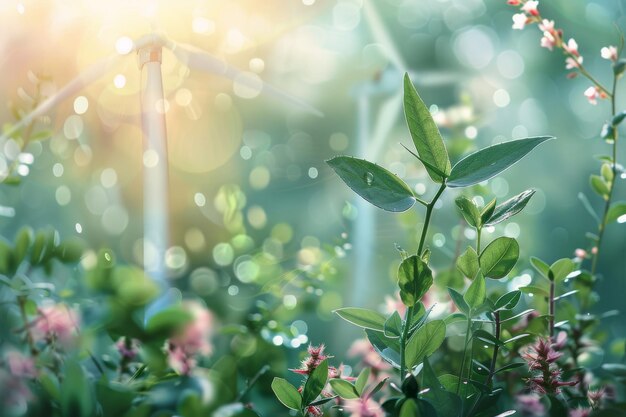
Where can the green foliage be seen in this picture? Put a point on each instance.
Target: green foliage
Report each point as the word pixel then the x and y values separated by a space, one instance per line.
pixel 468 263
pixel 425 134
pixel 367 319
pixel 374 183
pixel 414 279
pixel 315 383
pixel 509 208
pixel 499 257
pixel 287 394
pixel 476 293
pixel 490 161
pixel 344 389
pixel 424 342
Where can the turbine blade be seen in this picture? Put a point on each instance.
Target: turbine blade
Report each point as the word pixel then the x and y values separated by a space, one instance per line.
pixel 201 60
pixel 387 117
pixel 381 36
pixel 85 78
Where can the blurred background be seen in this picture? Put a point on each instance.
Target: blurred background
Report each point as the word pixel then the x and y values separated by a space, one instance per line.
pixel 261 228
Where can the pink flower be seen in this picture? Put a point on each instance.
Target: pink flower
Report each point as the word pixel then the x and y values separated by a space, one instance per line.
pixel 594 250
pixel 56 323
pixel 193 340
pixel 571 46
pixel 580 253
pixel 580 412
pixel 593 94
pixel 21 366
pixel 548 40
pixel 530 405
pixel 395 303
pixel 519 21
pixel 364 408
pixel 595 397
pixel 546 26
pixel 514 2
pixel 127 348
pixel 363 348
pixel 546 375
pixel 316 356
pixel 609 52
pixel 530 7
pixel 571 63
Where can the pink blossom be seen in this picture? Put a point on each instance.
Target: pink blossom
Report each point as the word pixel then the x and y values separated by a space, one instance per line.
pixel 546 375
pixel 609 52
pixel 594 250
pixel 580 253
pixel 548 40
pixel 56 323
pixel 571 63
pixel 519 21
pixel 530 7
pixel 530 405
pixel 192 340
pixel 580 412
pixel 514 2
pixel 20 365
pixel 546 26
pixel 127 348
pixel 364 408
pixel 592 95
pixel 595 397
pixel 395 303
pixel 363 348
pixel 571 46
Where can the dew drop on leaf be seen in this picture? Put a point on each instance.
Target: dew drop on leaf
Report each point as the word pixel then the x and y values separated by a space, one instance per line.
pixel 369 178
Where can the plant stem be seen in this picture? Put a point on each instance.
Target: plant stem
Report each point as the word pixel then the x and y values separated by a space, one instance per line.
pixel 607 204
pixel 479 232
pixel 462 369
pixel 551 311
pixel 410 310
pixel 496 348
pixel 21 301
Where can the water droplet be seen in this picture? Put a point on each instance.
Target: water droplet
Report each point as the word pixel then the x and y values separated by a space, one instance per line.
pixel 369 178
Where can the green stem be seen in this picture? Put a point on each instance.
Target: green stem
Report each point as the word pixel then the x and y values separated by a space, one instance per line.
pixel 409 312
pixel 479 231
pixel 607 205
pixel 551 311
pixel 462 369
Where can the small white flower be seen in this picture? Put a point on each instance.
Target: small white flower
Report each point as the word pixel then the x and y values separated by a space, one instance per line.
pixel 592 95
pixel 546 25
pixel 530 7
pixel 571 63
pixel 571 47
pixel 519 21
pixel 609 52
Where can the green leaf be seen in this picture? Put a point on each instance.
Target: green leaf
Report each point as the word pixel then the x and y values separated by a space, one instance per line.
pixel 476 293
pixel 499 257
pixel 562 268
pixel 619 118
pixel 362 317
pixel 23 240
pixel 468 263
pixel 410 409
pixel 510 208
pixel 393 325
pixel 414 280
pixel 424 342
pixel 616 212
pixel 458 300
pixel 510 366
pixel 599 186
pixel 446 403
pixel 424 132
pixel 487 211
pixel 168 321
pixel 374 183
pixel 287 394
pixel 70 251
pixel 469 211
pixel 541 267
pixel 77 399
pixel 607 172
pixel 487 337
pixel 532 289
pixel 508 301
pixel 386 347
pixel 490 161
pixel 344 389
pixel 315 383
pixel 361 381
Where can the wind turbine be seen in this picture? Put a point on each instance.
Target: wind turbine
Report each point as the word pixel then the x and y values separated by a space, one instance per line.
pixel 149 53
pixel 371 141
